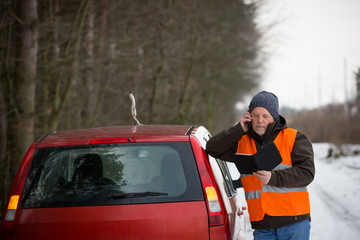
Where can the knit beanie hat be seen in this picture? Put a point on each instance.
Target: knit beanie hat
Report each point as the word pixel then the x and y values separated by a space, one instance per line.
pixel 266 100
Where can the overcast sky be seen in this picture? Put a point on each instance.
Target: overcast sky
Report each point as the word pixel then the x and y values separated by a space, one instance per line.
pixel 315 50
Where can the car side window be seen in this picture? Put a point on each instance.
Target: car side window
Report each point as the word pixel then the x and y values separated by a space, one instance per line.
pixel 220 169
pixel 229 181
pixel 219 175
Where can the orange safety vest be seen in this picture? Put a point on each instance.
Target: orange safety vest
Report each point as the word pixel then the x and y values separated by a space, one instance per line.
pixel 274 201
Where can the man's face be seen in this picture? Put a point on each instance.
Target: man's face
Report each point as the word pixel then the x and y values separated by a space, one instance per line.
pixel 261 118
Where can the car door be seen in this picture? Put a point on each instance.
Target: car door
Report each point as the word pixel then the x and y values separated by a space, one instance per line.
pixel 230 198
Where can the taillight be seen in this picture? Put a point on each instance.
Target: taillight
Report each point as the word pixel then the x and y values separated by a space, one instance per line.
pixel 9 220
pixel 213 199
pixel 12 207
pixel 215 206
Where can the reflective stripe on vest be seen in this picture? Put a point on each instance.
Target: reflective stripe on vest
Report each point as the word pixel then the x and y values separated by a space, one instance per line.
pixel 274 201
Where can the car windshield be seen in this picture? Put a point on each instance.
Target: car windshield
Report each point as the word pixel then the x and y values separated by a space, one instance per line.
pixel 112 174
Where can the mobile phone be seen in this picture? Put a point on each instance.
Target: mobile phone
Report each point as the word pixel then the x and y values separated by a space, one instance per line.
pixel 249 124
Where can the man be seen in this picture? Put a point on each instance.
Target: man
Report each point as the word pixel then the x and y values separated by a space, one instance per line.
pixel 278 201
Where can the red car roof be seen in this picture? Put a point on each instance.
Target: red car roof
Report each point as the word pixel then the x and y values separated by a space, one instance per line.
pixel 140 133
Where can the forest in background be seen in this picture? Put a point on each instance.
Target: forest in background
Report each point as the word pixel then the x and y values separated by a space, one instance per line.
pixel 71 64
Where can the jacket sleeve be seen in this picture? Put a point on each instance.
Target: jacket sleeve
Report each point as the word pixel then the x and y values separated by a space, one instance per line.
pixel 224 144
pixel 303 171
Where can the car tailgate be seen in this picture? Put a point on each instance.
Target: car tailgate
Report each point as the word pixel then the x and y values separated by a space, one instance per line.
pixel 179 220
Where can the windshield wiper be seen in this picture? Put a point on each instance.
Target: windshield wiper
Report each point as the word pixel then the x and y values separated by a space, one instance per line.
pixel 136 194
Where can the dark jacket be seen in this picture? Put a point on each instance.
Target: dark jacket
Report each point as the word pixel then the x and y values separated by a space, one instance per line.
pixel 223 145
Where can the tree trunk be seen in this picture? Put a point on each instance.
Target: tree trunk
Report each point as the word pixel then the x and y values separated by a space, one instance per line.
pixel 4 162
pixel 45 95
pixel 21 122
pixel 100 83
pixel 90 95
pixel 184 106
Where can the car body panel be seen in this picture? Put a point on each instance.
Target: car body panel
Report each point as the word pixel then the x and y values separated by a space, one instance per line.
pixel 143 221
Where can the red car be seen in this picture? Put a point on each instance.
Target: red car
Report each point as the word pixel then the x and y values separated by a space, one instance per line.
pixel 128 182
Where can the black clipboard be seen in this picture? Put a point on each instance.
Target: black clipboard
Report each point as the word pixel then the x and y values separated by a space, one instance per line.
pixel 266 158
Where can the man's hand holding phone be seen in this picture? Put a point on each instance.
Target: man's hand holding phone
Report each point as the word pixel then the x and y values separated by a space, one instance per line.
pixel 245 121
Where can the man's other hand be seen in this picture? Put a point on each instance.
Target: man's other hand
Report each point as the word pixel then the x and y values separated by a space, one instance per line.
pixel 263 176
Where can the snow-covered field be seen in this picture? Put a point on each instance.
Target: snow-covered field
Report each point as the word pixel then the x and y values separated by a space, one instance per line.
pixel 334 195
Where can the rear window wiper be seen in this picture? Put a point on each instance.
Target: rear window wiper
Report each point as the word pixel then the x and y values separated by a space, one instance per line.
pixel 136 194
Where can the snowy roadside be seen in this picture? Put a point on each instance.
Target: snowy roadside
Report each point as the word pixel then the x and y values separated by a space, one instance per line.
pixel 334 196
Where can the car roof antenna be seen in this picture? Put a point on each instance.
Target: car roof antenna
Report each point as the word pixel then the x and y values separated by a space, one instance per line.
pixel 133 109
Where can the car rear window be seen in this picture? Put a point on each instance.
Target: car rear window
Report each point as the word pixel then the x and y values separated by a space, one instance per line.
pixel 112 174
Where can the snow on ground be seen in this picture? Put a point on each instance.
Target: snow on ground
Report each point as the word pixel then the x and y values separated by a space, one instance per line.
pixel 334 194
